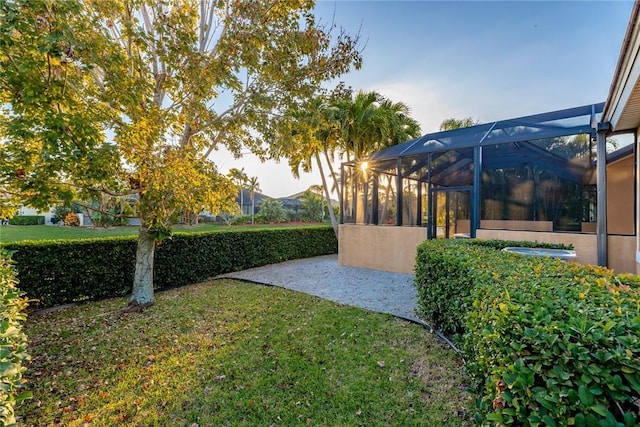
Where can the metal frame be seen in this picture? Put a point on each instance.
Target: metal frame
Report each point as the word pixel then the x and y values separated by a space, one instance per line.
pixel 479 138
pixel 601 224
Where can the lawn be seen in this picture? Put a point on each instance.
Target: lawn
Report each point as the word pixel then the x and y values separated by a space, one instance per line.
pixel 231 353
pixel 15 233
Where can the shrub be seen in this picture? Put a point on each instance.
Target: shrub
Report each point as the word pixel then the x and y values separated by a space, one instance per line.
pixel 546 342
pixel 71 219
pixel 60 213
pixel 271 211
pixel 13 342
pixel 27 220
pixel 240 220
pixel 447 270
pixel 57 272
pixel 501 244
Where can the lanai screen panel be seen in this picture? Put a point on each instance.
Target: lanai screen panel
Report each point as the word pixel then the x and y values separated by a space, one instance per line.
pixel 545 180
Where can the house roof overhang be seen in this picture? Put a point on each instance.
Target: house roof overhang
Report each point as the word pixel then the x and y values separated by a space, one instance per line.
pixel 622 108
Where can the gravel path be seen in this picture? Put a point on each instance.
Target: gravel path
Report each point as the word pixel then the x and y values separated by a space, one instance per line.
pixel 321 276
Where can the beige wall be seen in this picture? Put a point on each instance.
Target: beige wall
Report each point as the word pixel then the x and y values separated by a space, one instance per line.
pixel 620 197
pixel 622 254
pixel 463 225
pixel 391 248
pixel 386 248
pixel 584 244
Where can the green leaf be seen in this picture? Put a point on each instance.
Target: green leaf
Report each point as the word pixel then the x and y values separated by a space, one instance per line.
pixel 629 419
pixel 599 409
pixel 585 395
pixel 495 416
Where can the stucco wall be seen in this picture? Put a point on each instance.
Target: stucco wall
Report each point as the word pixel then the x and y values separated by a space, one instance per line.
pixel 584 244
pixel 386 248
pixel 621 251
pixel 620 197
pixel 464 225
pixel 390 248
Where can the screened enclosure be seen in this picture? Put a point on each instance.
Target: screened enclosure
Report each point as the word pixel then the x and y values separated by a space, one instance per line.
pixel 538 172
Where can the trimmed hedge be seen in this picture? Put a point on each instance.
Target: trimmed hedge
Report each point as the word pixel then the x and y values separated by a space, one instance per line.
pixel 445 277
pixel 501 244
pixel 546 342
pixel 13 342
pixel 27 220
pixel 58 272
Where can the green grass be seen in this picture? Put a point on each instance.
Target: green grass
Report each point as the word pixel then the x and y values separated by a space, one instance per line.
pixel 16 233
pixel 232 353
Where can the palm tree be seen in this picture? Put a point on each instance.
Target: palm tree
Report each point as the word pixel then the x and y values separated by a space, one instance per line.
pixel 453 123
pixel 253 186
pixel 359 126
pixel 354 127
pixel 314 131
pixel 370 123
pixel 240 180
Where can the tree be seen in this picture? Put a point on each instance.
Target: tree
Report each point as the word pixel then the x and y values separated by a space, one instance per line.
pixel 253 186
pixel 354 127
pixel 313 206
pixel 453 123
pixel 240 179
pixel 370 123
pixel 132 97
pixel 313 131
pixel 272 211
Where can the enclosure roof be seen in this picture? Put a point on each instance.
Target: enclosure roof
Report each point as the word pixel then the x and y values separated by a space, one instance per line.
pixel 571 121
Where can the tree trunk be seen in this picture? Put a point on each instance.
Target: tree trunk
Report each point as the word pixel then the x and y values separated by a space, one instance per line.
pixel 142 294
pixel 332 214
pixel 333 175
pixel 253 208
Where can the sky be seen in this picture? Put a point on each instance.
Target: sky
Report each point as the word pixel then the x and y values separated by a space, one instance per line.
pixel 489 60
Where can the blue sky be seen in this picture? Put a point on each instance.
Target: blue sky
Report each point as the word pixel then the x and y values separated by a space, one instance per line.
pixel 488 60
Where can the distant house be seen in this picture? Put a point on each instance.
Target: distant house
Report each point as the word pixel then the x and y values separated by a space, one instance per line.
pixel 244 201
pixel 301 194
pixel 31 211
pixel 290 203
pixel 246 204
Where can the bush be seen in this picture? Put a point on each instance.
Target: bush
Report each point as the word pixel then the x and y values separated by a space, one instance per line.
pixel 13 342
pixel 446 274
pixel 72 220
pixel 501 244
pixel 271 212
pixel 60 213
pixel 27 220
pixel 57 272
pixel 546 342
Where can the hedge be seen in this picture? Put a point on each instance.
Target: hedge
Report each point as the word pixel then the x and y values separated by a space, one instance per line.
pixel 26 220
pixel 58 272
pixel 545 342
pixel 445 277
pixel 13 342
